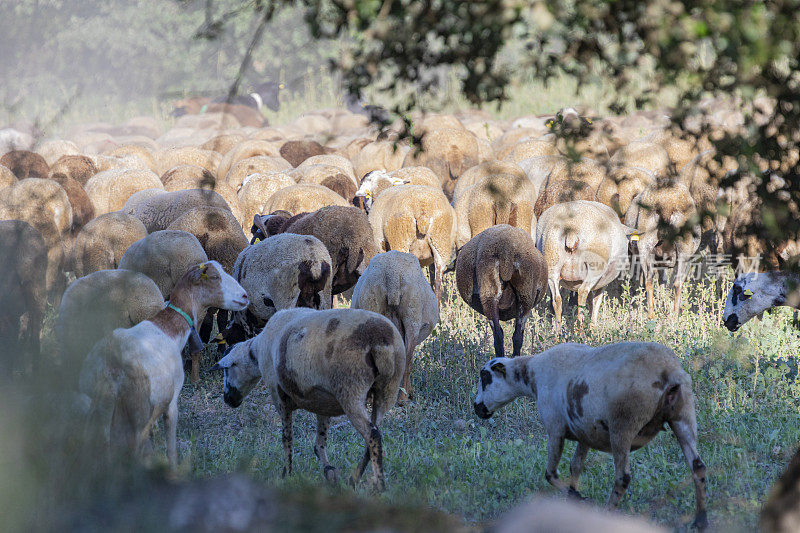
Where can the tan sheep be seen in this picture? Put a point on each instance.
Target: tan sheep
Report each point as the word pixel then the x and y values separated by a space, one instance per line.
pixel 188 155
pixel 418 220
pixel 562 191
pixel 448 152
pixel 23 294
pixel 538 169
pixel 158 212
pixel 585 247
pixel 223 189
pixel 303 198
pixel 198 176
pixel 247 149
pixel 655 213
pixel 256 191
pixel 164 256
pixel 260 164
pixel 495 199
pixel 329 363
pixel 614 398
pixel 483 170
pixel 377 181
pixel 530 148
pixel 219 233
pixel 110 189
pixel 334 160
pixel 621 186
pixel 78 167
pixel 380 155
pixel 7 177
pixel 328 176
pixel 103 241
pixel 642 154
pixel 137 152
pixel 223 143
pixel 502 275
pixel 503 144
pixel 54 149
pixel 97 304
pixel 394 286
pixel 44 205
pixel 137 199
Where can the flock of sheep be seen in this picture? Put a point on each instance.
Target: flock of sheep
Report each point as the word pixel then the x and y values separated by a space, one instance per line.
pixel 259 229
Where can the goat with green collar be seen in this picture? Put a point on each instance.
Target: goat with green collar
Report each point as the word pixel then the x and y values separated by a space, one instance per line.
pixel 613 398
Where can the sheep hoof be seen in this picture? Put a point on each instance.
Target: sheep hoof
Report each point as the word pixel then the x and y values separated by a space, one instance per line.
pixel 700 521
pixel 572 493
pixel 331 474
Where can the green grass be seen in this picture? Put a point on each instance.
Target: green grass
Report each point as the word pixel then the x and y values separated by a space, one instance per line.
pixel 437 453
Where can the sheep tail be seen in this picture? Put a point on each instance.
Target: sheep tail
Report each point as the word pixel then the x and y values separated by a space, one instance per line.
pixel 505 213
pixel 571 241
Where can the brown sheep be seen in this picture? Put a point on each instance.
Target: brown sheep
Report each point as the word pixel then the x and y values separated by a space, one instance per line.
pixel 103 241
pixel 345 232
pixel 78 167
pixel 23 260
pixel 218 231
pixel 295 152
pixel 502 275
pixel 82 206
pixel 25 164
pixel 449 153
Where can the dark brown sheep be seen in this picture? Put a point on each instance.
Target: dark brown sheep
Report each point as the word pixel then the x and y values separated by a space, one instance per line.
pixel 25 164
pixel 78 167
pixel 82 206
pixel 295 152
pixel 345 232
pixel 502 275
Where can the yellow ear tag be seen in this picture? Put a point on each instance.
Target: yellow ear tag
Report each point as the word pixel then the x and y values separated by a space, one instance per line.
pixel 257 240
pixel 634 236
pixel 748 292
pixel 203 274
pixel 589 120
pixel 281 86
pixel 549 123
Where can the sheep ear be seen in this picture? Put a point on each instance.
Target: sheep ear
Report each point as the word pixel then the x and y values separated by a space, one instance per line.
pixel 748 292
pixel 500 368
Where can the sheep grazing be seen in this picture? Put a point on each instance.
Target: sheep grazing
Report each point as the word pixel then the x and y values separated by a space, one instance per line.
pixel 394 286
pixel 345 232
pixel 110 189
pixel 218 232
pixel 133 376
pixel 502 275
pixel 23 260
pixel 329 363
pixel 96 305
pixel 753 293
pixel 374 183
pixel 78 167
pixel 103 241
pixel 159 211
pixel 612 398
pixel 585 247
pixel 419 220
pixel 284 271
pixel 448 152
pixel 25 164
pixel 658 213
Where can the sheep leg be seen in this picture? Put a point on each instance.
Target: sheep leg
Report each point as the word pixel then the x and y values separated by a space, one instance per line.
pixel 171 426
pixel 620 450
pixel 555 296
pixel 492 312
pixel 286 439
pixel 686 434
pixel 647 272
pixel 321 451
pixel 596 301
pixel 437 281
pixel 407 393
pixel 374 447
pixel 519 334
pixel 555 446
pixel 576 467
pixel 194 376
pixel 677 284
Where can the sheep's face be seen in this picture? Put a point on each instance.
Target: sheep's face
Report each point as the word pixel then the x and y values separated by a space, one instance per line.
pixel 494 390
pixel 241 372
pixel 371 185
pixel 750 296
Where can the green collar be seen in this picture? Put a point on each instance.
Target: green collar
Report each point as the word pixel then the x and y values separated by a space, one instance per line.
pixel 181 312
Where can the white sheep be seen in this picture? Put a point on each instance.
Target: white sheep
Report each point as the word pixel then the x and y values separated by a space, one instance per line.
pixel 133 376
pixel 612 398
pixel 753 293
pixel 394 286
pixel 327 362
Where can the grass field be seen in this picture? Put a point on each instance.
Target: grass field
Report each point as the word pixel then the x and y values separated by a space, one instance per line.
pixel 437 453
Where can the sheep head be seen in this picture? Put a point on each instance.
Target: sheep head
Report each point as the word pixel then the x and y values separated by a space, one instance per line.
pixel 241 370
